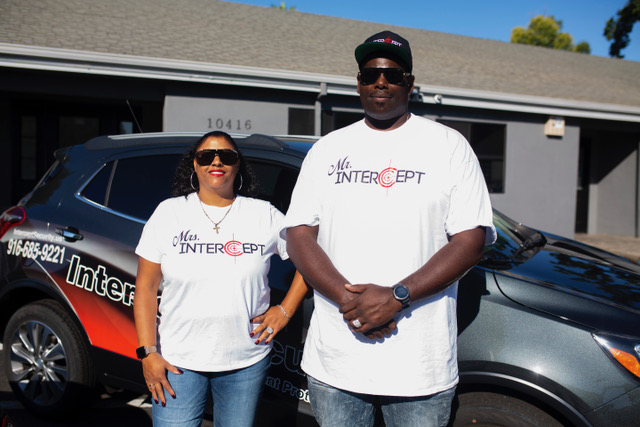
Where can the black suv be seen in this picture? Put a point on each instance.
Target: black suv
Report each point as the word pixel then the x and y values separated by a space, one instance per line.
pixel 549 329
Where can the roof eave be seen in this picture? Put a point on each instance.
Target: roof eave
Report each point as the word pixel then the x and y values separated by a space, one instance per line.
pixel 66 60
pixel 527 104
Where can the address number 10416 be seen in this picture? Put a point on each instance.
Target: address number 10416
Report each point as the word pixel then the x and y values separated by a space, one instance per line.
pixel 230 124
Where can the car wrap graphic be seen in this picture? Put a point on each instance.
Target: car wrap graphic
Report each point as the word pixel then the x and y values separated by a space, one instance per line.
pixel 100 295
pixel 99 282
pixel 90 289
pixel 286 375
pixel 44 252
pixel 102 298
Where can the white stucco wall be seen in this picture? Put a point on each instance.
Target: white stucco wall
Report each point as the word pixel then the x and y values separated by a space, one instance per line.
pixel 541 176
pixel 200 114
pixel 614 185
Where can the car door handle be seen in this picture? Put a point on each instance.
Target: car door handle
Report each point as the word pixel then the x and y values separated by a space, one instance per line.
pixel 69 234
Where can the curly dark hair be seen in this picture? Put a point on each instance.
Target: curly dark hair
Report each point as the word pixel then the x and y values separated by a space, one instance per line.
pixel 186 182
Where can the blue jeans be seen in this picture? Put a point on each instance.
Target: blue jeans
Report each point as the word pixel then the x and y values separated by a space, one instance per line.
pixel 333 407
pixel 235 395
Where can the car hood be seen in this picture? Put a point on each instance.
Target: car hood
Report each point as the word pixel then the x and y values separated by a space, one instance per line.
pixel 577 282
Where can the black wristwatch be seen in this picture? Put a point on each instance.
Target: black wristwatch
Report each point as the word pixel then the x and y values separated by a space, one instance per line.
pixel 401 293
pixel 144 351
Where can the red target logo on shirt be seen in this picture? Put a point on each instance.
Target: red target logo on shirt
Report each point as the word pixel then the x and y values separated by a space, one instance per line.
pixel 387 177
pixel 233 248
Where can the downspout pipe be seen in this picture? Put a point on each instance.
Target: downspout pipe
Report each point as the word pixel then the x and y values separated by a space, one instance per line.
pixel 318 109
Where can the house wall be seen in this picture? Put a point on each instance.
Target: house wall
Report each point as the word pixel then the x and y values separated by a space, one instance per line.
pixel 188 113
pixel 540 172
pixel 613 185
pixel 541 176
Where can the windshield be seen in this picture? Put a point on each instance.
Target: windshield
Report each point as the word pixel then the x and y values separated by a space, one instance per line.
pixel 515 242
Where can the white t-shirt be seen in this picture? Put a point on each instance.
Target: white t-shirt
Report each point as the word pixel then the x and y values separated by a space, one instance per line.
pixel 385 203
pixel 213 284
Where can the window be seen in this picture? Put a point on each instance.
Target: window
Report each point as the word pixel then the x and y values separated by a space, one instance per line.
pixel 96 190
pixel 78 129
pixel 301 121
pixel 133 186
pixel 125 127
pixel 332 120
pixel 488 142
pixel 28 148
pixel 275 182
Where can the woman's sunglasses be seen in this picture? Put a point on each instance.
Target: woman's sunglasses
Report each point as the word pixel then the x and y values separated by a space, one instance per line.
pixel 394 76
pixel 227 157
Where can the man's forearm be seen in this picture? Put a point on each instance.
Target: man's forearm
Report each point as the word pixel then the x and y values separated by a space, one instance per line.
pixel 314 264
pixel 447 265
pixel 375 304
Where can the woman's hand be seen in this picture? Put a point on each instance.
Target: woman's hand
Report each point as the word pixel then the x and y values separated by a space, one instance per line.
pixel 271 323
pixel 278 316
pixel 154 368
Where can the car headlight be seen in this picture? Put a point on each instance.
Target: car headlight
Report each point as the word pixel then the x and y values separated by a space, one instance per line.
pixel 624 350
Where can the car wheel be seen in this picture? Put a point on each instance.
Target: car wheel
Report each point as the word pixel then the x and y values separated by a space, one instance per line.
pixel 46 360
pixel 492 409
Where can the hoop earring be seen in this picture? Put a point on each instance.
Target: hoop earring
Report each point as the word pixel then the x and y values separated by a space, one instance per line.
pixel 191 181
pixel 241 182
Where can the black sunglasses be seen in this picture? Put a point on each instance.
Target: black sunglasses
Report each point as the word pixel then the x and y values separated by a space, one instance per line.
pixel 227 157
pixel 394 76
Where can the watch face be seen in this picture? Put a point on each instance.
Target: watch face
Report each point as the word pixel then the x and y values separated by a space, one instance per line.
pixel 401 292
pixel 140 352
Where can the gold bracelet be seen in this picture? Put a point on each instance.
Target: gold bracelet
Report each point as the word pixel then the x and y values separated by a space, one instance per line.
pixel 284 312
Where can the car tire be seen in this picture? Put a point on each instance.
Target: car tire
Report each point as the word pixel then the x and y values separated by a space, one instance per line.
pixel 46 360
pixel 492 409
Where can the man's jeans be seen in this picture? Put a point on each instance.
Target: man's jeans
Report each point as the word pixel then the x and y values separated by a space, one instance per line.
pixel 333 407
pixel 236 395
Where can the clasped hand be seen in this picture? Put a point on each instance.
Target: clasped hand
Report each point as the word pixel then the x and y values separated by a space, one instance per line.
pixel 374 306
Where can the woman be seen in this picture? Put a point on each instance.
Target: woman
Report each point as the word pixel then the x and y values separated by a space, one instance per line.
pixel 210 248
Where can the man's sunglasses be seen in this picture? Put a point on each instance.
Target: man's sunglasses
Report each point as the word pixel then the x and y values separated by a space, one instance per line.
pixel 227 157
pixel 394 76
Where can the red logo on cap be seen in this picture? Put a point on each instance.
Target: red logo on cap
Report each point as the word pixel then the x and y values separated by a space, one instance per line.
pixel 388 40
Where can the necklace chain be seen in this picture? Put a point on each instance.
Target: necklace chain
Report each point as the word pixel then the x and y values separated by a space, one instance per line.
pixel 216 224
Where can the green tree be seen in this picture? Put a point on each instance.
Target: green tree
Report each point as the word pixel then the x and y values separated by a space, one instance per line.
pixel 282 6
pixel 545 31
pixel 618 29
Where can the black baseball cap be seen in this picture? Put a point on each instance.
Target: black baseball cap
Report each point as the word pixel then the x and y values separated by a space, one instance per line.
pixel 386 41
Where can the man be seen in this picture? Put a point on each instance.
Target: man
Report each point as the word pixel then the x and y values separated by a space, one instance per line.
pixel 386 216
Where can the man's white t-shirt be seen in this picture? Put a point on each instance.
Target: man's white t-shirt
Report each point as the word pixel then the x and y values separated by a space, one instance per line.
pixel 385 202
pixel 213 284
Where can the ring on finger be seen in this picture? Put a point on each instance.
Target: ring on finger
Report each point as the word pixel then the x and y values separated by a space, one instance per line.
pixel 151 385
pixel 356 323
pixel 269 330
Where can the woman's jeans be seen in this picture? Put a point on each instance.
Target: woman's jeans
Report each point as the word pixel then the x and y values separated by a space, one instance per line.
pixel 333 407
pixel 235 394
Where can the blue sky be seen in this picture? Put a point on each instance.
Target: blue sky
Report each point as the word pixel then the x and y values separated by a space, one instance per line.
pixel 490 19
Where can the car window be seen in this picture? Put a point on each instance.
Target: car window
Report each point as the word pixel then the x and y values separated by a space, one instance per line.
pixel 133 186
pixel 140 183
pixel 275 182
pixel 96 189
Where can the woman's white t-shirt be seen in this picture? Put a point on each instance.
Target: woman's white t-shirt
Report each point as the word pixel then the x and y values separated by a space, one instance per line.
pixel 212 284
